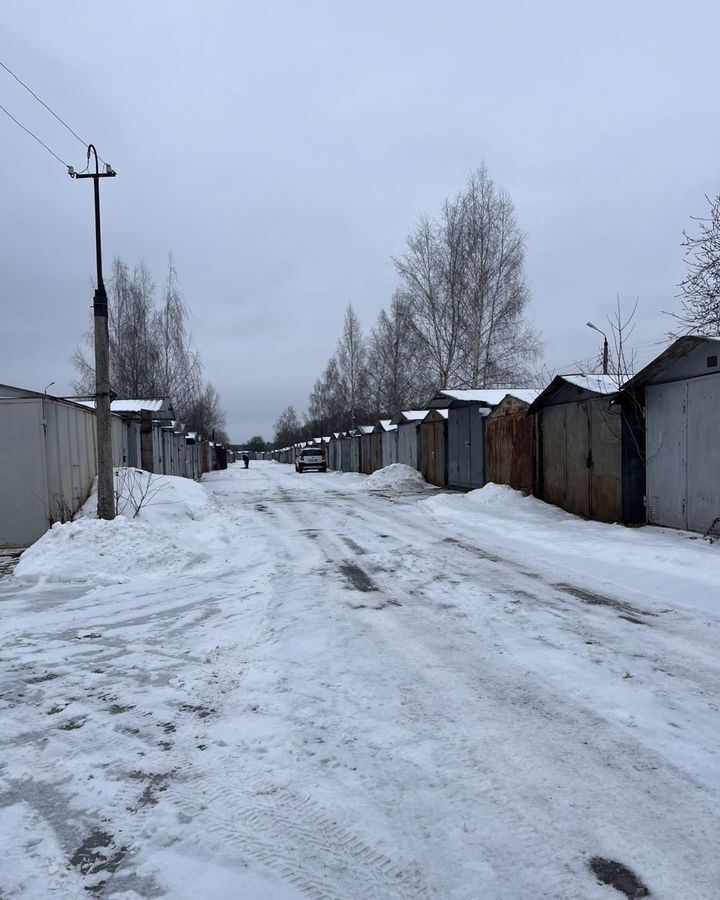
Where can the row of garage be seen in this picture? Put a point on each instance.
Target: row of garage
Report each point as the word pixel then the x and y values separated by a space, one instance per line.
pixel 48 455
pixel 648 451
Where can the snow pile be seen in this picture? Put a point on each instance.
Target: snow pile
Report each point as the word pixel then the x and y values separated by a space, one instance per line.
pixel 153 498
pixel 652 563
pixel 396 477
pixel 176 526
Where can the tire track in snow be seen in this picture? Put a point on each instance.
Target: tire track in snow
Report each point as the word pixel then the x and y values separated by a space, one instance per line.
pixel 535 845
pixel 293 836
pixel 545 730
pixel 521 832
pixel 279 828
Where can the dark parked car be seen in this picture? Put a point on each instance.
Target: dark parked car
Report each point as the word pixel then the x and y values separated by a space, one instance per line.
pixel 311 458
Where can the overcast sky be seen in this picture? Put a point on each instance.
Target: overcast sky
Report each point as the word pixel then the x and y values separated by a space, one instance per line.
pixel 283 150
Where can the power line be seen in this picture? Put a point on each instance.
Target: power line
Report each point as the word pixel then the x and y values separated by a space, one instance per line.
pixel 42 143
pixel 43 103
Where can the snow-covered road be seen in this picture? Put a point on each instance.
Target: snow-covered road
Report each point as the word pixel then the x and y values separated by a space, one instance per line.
pixel 297 687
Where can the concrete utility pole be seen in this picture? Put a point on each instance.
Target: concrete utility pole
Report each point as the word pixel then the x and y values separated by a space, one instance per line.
pixel 106 493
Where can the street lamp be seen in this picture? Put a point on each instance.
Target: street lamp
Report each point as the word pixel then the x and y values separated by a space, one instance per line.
pixel 48 387
pixel 106 495
pixel 605 346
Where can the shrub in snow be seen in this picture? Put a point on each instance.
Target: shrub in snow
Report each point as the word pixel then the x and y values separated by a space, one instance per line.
pixel 135 489
pixel 179 529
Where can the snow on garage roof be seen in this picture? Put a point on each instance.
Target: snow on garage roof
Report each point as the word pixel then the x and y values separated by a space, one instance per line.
pixel 491 397
pixel 128 406
pixel 138 405
pixel 600 384
pixel 409 415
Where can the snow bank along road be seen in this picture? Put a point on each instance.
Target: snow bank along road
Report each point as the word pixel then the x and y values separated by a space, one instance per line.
pixel 283 686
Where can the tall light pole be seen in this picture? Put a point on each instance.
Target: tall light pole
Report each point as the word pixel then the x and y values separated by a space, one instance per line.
pixel 605 346
pixel 106 495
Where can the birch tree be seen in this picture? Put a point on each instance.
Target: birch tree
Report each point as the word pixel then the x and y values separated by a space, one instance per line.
pixel 396 377
pixel 429 285
pixel 179 370
pixel 700 289
pixel 326 408
pixel 151 349
pixel 351 359
pixel 463 279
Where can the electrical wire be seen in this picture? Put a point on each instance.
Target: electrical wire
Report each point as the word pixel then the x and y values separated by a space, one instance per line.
pixel 42 143
pixel 43 103
pixel 645 351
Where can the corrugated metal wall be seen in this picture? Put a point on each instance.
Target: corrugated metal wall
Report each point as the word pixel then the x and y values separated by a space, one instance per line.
pixel 345 460
pixel 377 455
pixel 466 447
pixel 47 464
pixel 48 461
pixel 408 444
pixel 354 455
pixel 433 452
pixel 510 439
pixel 683 452
pixel 581 458
pixel 366 454
pixel 24 503
pixel 389 448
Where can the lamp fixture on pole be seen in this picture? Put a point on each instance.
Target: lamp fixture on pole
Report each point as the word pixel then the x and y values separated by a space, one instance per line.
pixel 605 346
pixel 106 494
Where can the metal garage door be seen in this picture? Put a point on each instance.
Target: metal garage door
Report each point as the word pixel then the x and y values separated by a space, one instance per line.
pixel 703 452
pixel 666 406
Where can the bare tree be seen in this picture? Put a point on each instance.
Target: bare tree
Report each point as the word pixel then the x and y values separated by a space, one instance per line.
pixel 463 279
pixel 151 349
pixel 622 357
pixel 429 284
pixel 625 418
pixel 134 354
pixel 326 407
pixel 287 427
pixel 206 416
pixel 179 371
pixel 456 319
pixel 700 289
pixel 396 377
pixel 499 345
pixel 135 489
pixel 351 358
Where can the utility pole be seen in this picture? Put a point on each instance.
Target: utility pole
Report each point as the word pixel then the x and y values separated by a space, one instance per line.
pixel 106 494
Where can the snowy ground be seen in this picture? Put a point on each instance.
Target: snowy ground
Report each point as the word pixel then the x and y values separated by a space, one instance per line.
pixel 277 686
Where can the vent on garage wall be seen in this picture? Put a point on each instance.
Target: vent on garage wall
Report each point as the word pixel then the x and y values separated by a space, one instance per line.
pixel 712 362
